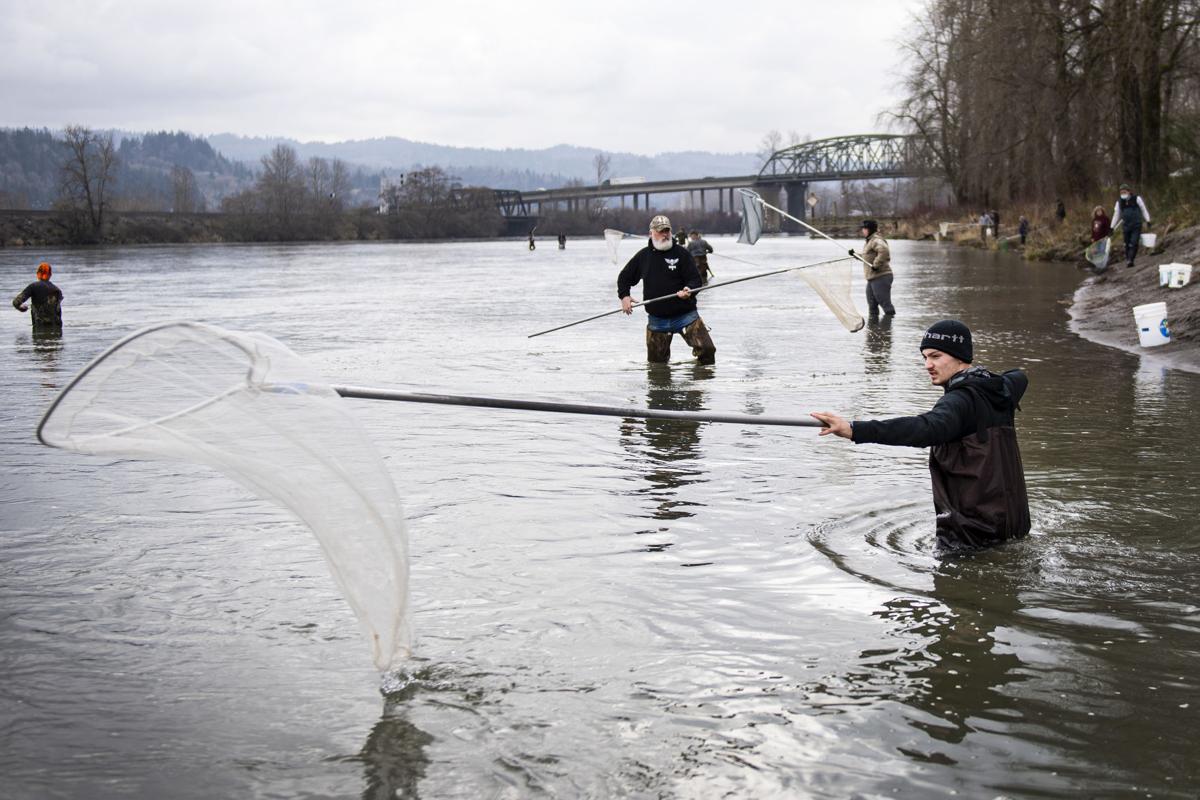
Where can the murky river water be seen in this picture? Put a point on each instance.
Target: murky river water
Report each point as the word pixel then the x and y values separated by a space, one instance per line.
pixel 604 607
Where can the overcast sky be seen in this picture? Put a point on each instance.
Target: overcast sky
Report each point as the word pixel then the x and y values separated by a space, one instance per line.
pixel 634 76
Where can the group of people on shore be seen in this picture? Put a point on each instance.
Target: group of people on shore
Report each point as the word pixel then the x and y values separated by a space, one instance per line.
pixel 1129 213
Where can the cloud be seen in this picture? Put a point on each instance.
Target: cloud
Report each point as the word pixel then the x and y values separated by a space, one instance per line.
pixel 626 76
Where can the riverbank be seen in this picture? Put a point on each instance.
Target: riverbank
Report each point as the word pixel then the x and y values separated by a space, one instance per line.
pixel 1102 308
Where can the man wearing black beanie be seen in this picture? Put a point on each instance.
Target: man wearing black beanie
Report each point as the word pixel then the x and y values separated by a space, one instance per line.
pixel 978 480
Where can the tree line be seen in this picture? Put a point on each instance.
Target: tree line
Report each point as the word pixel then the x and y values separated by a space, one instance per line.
pixel 1037 99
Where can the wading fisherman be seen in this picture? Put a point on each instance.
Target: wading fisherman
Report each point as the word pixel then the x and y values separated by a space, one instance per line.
pixel 877 269
pixel 665 268
pixel 46 299
pixel 699 249
pixel 978 480
pixel 1131 210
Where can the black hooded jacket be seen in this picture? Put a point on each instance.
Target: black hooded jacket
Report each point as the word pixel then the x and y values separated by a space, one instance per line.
pixel 661 272
pixel 978 479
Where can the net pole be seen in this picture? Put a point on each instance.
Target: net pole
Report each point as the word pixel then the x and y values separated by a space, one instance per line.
pixel 694 292
pixel 368 393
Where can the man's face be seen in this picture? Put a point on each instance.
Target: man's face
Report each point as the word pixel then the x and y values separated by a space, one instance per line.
pixel 662 235
pixel 866 233
pixel 941 366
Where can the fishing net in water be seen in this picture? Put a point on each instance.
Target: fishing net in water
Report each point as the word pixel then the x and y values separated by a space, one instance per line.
pixel 244 404
pixel 832 283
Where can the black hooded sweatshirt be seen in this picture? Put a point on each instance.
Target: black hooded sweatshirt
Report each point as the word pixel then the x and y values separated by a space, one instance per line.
pixel 978 480
pixel 663 272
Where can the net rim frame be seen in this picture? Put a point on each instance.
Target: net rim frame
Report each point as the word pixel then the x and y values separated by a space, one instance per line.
pixel 120 343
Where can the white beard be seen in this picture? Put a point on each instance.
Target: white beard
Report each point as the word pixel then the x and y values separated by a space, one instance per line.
pixel 661 246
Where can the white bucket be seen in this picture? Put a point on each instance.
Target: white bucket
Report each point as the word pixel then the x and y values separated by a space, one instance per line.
pixel 1151 322
pixel 1164 274
pixel 1149 240
pixel 1179 276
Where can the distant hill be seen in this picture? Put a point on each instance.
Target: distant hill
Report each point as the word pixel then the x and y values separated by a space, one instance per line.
pixel 511 168
pixel 31 161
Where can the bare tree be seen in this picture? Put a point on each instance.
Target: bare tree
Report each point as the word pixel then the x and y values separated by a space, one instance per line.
pixel 1034 99
pixel 184 193
pixel 603 164
pixel 87 175
pixel 769 146
pixel 339 185
pixel 282 189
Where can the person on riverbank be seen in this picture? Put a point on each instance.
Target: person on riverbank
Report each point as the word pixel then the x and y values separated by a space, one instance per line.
pixel 1023 228
pixel 1101 224
pixel 985 225
pixel 979 493
pixel 1131 210
pixel 1060 212
pixel 698 248
pixel 877 269
pixel 45 301
pixel 665 268
pixel 995 215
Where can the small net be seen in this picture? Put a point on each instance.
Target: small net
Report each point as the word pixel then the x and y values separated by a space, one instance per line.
pixel 752 218
pixel 612 239
pixel 244 404
pixel 832 283
pixel 1098 253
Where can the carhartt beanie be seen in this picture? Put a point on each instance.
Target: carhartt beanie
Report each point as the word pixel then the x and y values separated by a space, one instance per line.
pixel 951 337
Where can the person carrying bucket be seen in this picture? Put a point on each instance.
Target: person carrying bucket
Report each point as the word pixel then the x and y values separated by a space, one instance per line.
pixel 978 480
pixel 1131 210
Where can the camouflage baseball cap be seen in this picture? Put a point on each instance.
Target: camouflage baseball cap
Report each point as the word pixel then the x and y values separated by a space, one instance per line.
pixel 660 223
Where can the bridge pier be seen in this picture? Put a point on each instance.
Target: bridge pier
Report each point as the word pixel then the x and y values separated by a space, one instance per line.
pixel 797 202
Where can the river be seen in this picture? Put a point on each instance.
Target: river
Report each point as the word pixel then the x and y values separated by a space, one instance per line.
pixel 604 607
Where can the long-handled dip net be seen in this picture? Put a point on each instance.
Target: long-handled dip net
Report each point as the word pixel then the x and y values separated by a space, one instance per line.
pixel 247 406
pixel 243 405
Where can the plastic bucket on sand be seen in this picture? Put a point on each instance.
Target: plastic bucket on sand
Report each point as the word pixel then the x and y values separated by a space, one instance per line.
pixel 1179 275
pixel 1151 322
pixel 1175 276
pixel 1149 240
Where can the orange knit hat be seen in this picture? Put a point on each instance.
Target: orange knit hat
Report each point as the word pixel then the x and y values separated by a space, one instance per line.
pixel 43 271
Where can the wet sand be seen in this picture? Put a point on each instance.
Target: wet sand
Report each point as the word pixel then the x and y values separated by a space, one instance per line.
pixel 1102 308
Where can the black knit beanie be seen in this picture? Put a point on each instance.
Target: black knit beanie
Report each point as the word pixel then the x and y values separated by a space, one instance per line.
pixel 951 337
pixel 871 226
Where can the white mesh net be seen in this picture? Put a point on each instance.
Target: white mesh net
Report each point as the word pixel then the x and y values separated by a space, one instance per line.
pixel 243 404
pixel 832 283
pixel 612 238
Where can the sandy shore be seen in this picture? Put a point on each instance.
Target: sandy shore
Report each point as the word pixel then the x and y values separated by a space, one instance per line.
pixel 1102 309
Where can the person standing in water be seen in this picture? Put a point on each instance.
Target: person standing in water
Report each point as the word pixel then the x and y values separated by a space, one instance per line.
pixel 1131 210
pixel 665 268
pixel 532 244
pixel 45 298
pixel 562 241
pixel 877 268
pixel 699 249
pixel 979 490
